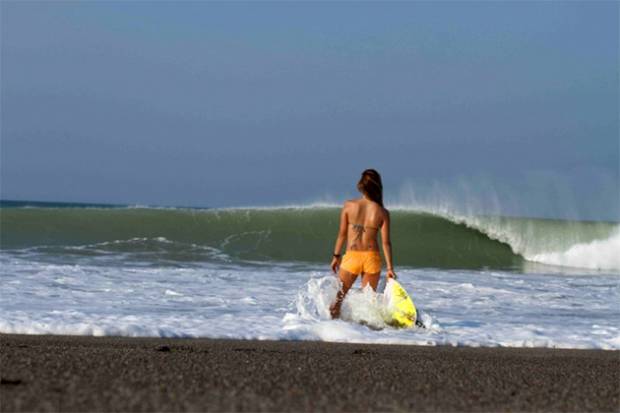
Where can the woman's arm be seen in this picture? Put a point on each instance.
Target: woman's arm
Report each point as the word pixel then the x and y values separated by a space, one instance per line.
pixel 340 239
pixel 387 245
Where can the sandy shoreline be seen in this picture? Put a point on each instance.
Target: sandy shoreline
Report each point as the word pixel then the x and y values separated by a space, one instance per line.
pixel 61 373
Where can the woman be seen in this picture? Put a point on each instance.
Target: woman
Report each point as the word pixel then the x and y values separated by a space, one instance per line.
pixel 360 222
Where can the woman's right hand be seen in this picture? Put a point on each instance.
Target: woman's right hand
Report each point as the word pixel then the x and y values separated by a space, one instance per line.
pixel 335 264
pixel 391 274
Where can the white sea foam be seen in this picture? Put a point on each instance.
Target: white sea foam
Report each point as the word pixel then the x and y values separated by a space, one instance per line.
pixel 465 308
pixel 598 255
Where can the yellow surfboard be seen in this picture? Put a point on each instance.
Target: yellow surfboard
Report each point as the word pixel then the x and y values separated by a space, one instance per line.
pixel 401 311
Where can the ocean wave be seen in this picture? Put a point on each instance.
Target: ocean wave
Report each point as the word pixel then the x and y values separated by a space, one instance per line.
pixel 422 236
pixel 597 255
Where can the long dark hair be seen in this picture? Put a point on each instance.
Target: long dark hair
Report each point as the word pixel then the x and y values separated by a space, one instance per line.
pixel 370 184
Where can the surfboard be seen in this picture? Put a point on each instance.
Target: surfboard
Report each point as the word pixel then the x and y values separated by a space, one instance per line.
pixel 401 311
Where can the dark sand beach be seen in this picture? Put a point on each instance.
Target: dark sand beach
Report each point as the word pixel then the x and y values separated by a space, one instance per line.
pixel 60 373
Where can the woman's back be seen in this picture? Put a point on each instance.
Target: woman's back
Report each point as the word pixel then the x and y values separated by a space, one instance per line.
pixel 364 219
pixel 360 222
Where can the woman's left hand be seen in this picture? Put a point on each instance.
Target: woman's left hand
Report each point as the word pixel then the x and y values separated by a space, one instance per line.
pixel 335 264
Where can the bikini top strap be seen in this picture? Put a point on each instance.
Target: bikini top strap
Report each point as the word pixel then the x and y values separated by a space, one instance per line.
pixel 363 226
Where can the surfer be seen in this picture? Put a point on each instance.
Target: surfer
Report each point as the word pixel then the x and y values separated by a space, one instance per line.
pixel 361 220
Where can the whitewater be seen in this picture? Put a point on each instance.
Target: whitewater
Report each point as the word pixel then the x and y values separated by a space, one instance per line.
pixel 262 273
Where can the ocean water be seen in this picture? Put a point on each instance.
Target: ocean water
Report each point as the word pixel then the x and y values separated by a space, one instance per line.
pixel 262 273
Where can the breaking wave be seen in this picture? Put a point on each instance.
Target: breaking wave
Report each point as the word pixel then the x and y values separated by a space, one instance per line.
pixel 421 238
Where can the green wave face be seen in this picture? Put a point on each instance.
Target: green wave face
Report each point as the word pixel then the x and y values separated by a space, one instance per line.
pixel 279 234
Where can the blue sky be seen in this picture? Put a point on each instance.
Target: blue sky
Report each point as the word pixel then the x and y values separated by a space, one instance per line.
pixel 512 105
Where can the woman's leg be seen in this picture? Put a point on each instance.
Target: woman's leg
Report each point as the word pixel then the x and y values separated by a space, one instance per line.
pixel 372 279
pixel 347 280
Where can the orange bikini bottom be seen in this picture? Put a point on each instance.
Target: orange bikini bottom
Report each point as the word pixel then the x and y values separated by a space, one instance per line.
pixel 357 262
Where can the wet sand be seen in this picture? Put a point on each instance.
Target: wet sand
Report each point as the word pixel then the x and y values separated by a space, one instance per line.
pixel 59 373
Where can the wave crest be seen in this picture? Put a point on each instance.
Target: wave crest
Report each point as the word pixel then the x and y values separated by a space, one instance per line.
pixel 421 237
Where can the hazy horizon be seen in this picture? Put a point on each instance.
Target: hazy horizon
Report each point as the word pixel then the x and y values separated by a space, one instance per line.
pixel 505 108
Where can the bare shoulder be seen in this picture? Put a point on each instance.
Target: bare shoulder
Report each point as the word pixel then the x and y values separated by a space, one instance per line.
pixel 350 203
pixel 379 210
pixel 346 207
pixel 385 214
